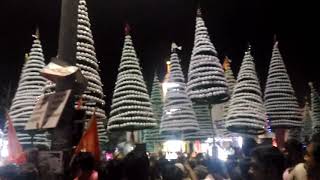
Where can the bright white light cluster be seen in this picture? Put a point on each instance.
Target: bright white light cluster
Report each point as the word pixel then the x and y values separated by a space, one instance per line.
pixel 280 101
pixel 182 119
pixel 246 111
pixel 206 81
pixel 30 88
pixel 315 109
pixel 131 108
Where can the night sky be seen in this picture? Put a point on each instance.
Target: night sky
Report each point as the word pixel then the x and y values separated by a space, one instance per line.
pixel 155 24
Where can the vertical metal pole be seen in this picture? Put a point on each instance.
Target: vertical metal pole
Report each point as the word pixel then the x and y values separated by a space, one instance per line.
pixel 62 136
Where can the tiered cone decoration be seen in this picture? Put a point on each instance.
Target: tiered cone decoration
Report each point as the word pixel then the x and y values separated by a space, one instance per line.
pixel 315 109
pixel 307 122
pixel 86 60
pixel 151 136
pixel 29 90
pixel 295 133
pixel 178 116
pixel 205 123
pixel 93 96
pixel 231 82
pixel 206 81
pixel 246 111
pixel 280 100
pixel 131 108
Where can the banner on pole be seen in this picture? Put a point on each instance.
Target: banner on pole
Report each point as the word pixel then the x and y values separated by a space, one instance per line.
pixel 48 111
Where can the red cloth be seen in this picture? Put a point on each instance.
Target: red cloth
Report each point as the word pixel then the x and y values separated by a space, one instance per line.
pixel 16 154
pixel 92 176
pixel 90 141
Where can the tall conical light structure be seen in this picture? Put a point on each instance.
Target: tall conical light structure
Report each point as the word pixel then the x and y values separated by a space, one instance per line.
pixel 152 136
pixel 307 122
pixel 246 111
pixel 178 116
pixel 280 100
pixel 315 109
pixel 231 82
pixel 205 123
pixel 206 81
pixel 131 108
pixel 29 90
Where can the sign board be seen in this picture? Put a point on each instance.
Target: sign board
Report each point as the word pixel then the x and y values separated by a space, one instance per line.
pixel 48 111
pixel 54 71
pixel 70 76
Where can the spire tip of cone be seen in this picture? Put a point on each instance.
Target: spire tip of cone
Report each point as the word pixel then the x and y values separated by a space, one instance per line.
pixel 199 14
pixel 174 46
pixel 127 29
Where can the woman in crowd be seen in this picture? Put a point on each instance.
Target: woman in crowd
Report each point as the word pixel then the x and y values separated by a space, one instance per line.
pixel 310 170
pixel 293 151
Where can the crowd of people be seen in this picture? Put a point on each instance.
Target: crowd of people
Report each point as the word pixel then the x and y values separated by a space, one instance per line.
pixel 254 162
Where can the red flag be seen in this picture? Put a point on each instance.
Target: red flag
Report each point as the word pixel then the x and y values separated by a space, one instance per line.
pixel 16 154
pixel 90 141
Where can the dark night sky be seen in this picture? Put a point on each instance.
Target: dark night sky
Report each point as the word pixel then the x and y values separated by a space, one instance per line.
pixel 156 23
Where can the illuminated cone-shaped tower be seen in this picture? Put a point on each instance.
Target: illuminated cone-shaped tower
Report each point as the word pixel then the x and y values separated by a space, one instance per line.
pixel 246 112
pixel 30 88
pixel 231 82
pixel 205 123
pixel 280 100
pixel 131 108
pixel 93 97
pixel 315 109
pixel 295 133
pixel 178 116
pixel 151 136
pixel 206 81
pixel 307 122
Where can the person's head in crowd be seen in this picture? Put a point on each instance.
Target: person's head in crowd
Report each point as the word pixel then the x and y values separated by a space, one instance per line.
pixel 267 162
pixel 217 169
pixel 312 156
pixel 293 151
pixel 85 161
pixel 172 172
pixel 136 165
pixel 200 159
pixel 193 163
pixel 248 145
pixel 201 171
